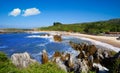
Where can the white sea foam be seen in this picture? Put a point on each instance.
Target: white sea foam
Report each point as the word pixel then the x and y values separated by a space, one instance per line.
pixel 102 44
pixel 33 32
pixel 42 44
pixel 72 51
pixel 38 36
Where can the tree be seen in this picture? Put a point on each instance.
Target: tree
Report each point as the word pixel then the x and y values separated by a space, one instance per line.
pixel 57 23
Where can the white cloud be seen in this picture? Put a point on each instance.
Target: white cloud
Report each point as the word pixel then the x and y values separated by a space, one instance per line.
pixel 15 12
pixel 31 11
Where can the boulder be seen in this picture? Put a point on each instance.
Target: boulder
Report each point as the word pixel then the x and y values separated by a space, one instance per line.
pixel 57 38
pixel 22 60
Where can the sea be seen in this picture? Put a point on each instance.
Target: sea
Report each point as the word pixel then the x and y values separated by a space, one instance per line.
pixel 34 43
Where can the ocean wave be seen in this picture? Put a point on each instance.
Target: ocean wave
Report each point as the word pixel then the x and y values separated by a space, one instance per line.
pixel 42 44
pixel 102 44
pixel 33 32
pixel 39 36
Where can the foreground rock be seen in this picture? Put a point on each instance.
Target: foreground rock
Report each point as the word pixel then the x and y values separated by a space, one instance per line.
pixel 44 57
pixel 99 60
pixel 22 60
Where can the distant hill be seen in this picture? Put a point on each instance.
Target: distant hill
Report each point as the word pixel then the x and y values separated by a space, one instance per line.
pixel 112 25
pixel 13 30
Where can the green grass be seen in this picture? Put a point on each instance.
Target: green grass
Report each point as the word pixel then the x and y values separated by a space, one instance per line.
pixel 43 68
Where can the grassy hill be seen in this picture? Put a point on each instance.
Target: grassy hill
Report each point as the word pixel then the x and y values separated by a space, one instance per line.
pixel 112 25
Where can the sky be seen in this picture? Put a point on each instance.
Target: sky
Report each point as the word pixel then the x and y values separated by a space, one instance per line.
pixel 41 13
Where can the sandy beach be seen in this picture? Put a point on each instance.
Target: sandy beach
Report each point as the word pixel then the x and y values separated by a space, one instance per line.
pixel 105 39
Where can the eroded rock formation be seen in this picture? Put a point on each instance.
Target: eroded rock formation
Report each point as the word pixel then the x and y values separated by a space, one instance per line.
pixel 22 60
pixel 44 57
pixel 90 58
pixel 93 58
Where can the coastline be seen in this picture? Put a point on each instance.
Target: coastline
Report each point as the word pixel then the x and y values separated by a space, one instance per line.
pixel 107 40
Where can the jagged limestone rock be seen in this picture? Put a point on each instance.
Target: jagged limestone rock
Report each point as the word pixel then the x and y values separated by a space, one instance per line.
pixel 22 60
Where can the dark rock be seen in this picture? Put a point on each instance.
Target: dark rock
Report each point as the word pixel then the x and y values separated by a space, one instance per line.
pixel 57 38
pixel 57 54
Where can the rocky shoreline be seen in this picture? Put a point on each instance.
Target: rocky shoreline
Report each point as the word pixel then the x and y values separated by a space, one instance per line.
pixel 89 58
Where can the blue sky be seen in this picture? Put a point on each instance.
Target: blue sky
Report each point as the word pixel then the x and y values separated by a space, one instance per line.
pixel 39 13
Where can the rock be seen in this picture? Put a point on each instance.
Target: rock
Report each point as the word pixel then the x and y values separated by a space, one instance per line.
pixel 117 55
pixel 44 57
pixel 22 60
pixel 101 69
pixel 105 54
pixel 90 58
pixel 77 66
pixel 69 63
pixel 57 54
pixel 57 58
pixel 91 49
pixel 84 67
pixel 81 55
pixel 57 38
pixel 61 64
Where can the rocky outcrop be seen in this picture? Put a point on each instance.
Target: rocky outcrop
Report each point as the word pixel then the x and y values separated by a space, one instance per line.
pixel 69 63
pixel 22 60
pixel 90 58
pixel 93 58
pixel 112 63
pixel 57 38
pixel 44 57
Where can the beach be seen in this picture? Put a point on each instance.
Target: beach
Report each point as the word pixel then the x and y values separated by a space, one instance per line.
pixel 105 39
